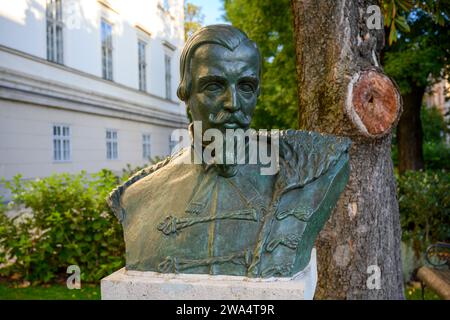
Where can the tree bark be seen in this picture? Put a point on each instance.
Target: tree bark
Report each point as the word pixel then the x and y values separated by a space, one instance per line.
pixel 343 91
pixel 409 132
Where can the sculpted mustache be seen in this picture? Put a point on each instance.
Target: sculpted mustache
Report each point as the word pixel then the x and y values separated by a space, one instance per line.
pixel 223 116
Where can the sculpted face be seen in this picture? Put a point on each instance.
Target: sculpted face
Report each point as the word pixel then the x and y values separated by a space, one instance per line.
pixel 225 86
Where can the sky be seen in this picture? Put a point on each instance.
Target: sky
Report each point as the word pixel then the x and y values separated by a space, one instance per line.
pixel 212 9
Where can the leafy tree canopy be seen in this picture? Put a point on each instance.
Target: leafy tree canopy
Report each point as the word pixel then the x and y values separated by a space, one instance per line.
pixel 193 19
pixel 420 56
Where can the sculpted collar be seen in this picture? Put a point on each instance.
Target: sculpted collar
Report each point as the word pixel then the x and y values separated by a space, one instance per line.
pixel 201 194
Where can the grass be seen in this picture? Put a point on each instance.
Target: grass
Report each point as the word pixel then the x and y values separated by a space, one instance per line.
pixel 92 292
pixel 51 292
pixel 415 293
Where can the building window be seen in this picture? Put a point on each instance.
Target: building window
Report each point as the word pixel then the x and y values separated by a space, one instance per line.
pixel 146 146
pixel 111 145
pixel 107 49
pixel 61 143
pixel 142 66
pixel 54 31
pixel 168 68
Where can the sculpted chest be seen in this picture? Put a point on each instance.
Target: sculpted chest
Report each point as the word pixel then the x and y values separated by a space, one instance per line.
pixel 183 218
pixel 200 223
pixel 204 223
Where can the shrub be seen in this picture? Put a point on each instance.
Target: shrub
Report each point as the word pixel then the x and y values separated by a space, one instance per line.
pixel 129 170
pixel 436 155
pixel 424 203
pixel 433 125
pixel 436 151
pixel 71 224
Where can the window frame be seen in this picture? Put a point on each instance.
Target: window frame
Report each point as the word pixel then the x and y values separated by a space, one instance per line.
pixel 112 144
pixel 54 31
pixel 146 146
pixel 107 49
pixel 142 64
pixel 61 137
pixel 168 75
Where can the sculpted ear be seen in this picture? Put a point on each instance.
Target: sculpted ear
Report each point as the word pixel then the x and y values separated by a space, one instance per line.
pixel 181 92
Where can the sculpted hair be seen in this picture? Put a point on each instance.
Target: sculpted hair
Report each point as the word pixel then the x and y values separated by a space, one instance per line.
pixel 220 34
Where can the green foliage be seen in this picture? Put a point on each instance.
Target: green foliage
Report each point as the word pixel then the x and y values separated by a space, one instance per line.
pixel 394 17
pixel 424 203
pixel 396 11
pixel 420 56
pixel 433 125
pixel 130 170
pixel 415 293
pixel 269 24
pixel 417 60
pixel 70 225
pixel 193 19
pixel 50 292
pixel 436 155
pixel 436 152
pixel 2 205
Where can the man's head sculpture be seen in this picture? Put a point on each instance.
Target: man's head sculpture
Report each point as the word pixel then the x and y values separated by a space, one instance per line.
pixel 220 71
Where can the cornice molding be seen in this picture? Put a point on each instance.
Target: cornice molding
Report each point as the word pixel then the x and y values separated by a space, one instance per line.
pixel 81 73
pixel 17 86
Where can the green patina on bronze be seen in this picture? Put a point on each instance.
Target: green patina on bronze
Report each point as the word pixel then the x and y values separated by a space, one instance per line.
pixel 230 219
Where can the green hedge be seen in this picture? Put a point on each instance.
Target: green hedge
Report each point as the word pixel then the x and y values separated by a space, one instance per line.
pixel 424 202
pixel 436 155
pixel 71 224
pixel 436 151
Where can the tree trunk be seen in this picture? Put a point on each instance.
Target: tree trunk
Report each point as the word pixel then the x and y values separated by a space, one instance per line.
pixel 409 132
pixel 343 91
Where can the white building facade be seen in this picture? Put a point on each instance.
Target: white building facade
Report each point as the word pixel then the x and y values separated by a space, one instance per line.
pixel 88 84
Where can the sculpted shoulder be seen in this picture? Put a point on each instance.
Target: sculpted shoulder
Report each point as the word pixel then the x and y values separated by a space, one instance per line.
pixel 142 183
pixel 313 172
pixel 306 156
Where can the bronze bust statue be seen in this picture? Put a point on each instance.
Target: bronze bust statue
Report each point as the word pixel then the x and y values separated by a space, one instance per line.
pixel 229 219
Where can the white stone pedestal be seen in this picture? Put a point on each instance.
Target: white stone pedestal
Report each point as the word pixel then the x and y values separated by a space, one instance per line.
pixel 138 285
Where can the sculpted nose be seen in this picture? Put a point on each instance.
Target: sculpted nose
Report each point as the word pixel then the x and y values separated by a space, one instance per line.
pixel 231 103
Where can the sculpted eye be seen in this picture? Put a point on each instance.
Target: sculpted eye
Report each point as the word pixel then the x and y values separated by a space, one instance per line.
pixel 246 87
pixel 213 87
